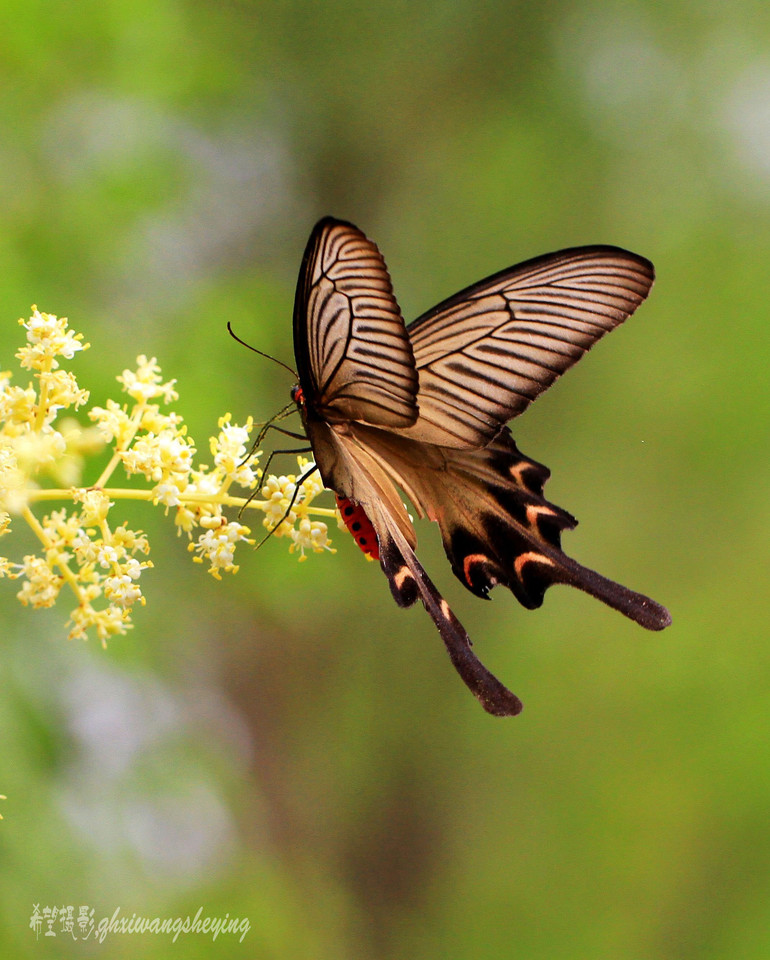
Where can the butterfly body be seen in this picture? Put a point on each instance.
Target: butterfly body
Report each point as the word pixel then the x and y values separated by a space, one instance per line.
pixel 424 409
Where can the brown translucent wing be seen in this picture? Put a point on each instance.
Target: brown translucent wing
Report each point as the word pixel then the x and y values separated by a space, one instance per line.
pixel 495 522
pixel 485 354
pixel 354 470
pixel 354 357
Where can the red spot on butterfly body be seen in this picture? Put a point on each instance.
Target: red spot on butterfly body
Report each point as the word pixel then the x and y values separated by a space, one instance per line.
pixel 360 526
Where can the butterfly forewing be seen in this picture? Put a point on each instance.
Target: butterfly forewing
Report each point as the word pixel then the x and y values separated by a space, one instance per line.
pixel 485 354
pixel 355 358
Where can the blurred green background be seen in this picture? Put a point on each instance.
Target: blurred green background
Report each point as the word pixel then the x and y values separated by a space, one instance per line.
pixel 288 746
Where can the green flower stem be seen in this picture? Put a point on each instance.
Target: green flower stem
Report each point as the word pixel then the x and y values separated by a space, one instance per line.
pixel 41 405
pixel 40 533
pixel 117 457
pixel 226 500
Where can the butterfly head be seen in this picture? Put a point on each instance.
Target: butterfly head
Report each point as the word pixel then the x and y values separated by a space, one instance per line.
pixel 298 396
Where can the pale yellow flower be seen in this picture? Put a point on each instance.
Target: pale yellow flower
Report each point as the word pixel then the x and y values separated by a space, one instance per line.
pixel 279 493
pixel 217 545
pixel 230 449
pixel 146 382
pixel 41 443
pixel 96 506
pixel 41 584
pixel 47 339
pixel 18 407
pixel 113 423
pixel 310 535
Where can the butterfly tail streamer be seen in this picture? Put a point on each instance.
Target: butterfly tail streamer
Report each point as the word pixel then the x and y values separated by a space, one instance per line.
pixel 636 606
pixel 408 581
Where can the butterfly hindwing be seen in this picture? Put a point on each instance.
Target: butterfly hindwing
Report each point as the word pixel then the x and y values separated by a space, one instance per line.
pixel 498 528
pixel 496 524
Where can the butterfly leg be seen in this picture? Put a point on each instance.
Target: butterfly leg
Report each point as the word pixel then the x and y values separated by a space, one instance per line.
pixel 287 411
pixel 275 453
pixel 297 488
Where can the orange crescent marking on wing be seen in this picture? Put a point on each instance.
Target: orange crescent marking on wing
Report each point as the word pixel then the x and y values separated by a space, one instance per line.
pixel 517 470
pixel 471 559
pixel 534 511
pixel 402 575
pixel 530 557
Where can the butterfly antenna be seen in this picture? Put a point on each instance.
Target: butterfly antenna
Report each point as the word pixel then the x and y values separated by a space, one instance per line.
pixel 265 355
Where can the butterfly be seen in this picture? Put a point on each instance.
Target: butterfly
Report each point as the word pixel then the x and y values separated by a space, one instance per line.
pixel 423 409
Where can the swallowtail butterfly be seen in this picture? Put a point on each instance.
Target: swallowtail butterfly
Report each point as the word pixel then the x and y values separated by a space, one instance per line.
pixel 423 409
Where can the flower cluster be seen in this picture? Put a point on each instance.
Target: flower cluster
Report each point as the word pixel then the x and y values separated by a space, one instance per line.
pixel 286 510
pixel 43 453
